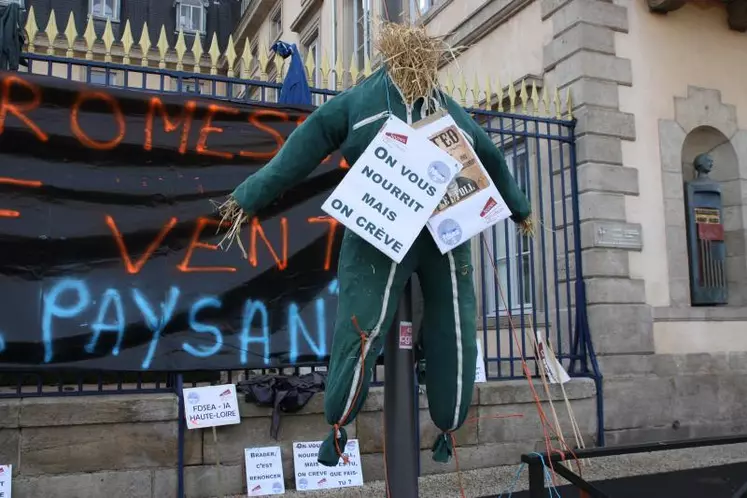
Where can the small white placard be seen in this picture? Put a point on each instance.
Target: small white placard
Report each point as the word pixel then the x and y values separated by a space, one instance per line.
pixel 556 374
pixel 211 406
pixel 264 471
pixel 312 476
pixel 480 369
pixel 6 478
pixel 393 188
pixel 471 203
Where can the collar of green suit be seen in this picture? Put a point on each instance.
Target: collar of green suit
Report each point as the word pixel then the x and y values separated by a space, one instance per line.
pixel 435 101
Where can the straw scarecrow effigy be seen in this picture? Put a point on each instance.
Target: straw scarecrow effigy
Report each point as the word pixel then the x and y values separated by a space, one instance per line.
pixel 369 282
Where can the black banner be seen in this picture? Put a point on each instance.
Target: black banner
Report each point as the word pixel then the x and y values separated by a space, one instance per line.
pixel 108 237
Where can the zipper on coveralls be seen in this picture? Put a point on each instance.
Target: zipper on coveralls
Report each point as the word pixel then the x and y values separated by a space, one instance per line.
pixel 370 119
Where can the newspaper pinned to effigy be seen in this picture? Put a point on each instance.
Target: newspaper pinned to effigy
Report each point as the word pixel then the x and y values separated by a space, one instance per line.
pixel 472 202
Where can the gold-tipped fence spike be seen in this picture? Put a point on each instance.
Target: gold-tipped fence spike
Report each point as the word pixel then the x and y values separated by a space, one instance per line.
pixel 463 90
pixel 180 48
pixel 535 99
pixel 310 69
pixel 145 44
pixel 524 97
pixel 246 58
pixel 163 48
pixel 512 98
pixel 325 70
pixel 108 39
pixel 450 87
pixel 89 36
pixel 214 54
pixel 488 95
pixel 339 72
pixel 569 103
pixel 557 104
pixel 52 32
pixel 279 68
pixel 71 34
pixel 197 54
pixel 231 57
pixel 127 42
pixel 475 92
pixel 545 101
pixel 500 96
pixel 367 70
pixel 263 62
pixel 32 29
pixel 354 71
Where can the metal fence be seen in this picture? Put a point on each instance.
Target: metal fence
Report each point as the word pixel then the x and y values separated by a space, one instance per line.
pixel 525 284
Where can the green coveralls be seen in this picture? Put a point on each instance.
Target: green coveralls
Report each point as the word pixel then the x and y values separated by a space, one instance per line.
pixel 370 282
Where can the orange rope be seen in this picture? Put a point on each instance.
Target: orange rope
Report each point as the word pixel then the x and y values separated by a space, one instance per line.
pixel 358 389
pixel 525 369
pixel 456 459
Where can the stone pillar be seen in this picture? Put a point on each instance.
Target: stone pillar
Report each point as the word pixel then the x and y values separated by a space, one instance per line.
pixel 581 57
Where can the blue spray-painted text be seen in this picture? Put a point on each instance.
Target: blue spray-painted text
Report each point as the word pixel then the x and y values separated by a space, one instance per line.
pixel 72 299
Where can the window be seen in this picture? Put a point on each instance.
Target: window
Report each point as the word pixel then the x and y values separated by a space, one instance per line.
pixel 245 5
pixel 425 5
pixel 511 251
pixel 98 77
pixel 190 16
pixel 362 46
pixel 104 9
pixel 276 24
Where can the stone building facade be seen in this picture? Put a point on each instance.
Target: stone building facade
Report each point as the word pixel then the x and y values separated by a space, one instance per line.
pixel 650 92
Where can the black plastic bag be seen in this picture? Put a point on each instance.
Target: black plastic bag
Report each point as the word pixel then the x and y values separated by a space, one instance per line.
pixel 286 393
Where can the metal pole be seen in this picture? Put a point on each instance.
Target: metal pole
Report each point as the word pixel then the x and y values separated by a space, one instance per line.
pixel 400 394
pixel 536 479
pixel 402 448
pixel 181 433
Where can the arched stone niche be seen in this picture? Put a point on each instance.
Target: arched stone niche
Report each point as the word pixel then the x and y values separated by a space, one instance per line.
pixel 703 123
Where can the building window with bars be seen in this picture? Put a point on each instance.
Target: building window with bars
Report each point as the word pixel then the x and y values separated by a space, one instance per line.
pixel 190 16
pixel 511 252
pixel 362 32
pixel 104 9
pixel 276 24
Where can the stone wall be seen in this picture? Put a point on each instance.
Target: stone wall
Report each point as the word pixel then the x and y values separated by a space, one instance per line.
pixel 647 396
pixel 123 445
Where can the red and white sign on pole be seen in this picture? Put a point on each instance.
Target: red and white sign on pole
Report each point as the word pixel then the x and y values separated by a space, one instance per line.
pixel 405 335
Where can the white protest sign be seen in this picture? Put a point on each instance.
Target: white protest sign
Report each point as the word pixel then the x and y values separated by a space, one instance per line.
pixel 556 374
pixel 264 471
pixel 471 203
pixel 480 369
pixel 392 189
pixel 312 476
pixel 6 478
pixel 211 406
